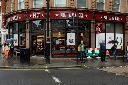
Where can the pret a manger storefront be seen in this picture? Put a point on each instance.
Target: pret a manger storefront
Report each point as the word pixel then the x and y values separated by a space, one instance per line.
pixel 68 27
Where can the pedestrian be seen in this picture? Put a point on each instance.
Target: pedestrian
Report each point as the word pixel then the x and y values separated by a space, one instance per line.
pixel 82 51
pixel 5 51
pixel 114 51
pixel 127 52
pixel 11 46
pixel 102 51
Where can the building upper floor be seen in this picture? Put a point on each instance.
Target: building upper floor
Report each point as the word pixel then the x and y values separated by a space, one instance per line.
pixel 101 5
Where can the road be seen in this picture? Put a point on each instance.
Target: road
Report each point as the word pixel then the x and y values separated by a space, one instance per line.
pixel 74 76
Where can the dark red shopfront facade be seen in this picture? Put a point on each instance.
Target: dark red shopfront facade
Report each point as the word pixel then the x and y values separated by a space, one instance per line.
pixel 31 30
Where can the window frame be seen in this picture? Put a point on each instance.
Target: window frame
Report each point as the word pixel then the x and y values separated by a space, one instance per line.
pixel 115 3
pixel 59 5
pixel 86 5
pixel 20 3
pixel 99 2
pixel 35 5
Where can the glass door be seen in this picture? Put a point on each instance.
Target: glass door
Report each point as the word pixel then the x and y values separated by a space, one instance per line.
pixel 37 37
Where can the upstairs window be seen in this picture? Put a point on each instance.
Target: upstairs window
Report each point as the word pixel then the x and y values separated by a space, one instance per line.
pixel 116 6
pixel 37 3
pixel 100 4
pixel 81 3
pixel 60 3
pixel 21 4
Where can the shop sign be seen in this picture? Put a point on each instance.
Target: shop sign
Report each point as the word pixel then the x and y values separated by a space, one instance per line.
pixel 36 15
pixel 26 16
pixel 110 17
pixel 68 14
pixel 17 17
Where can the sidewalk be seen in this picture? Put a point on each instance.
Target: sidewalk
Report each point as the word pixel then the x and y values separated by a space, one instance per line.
pixel 37 62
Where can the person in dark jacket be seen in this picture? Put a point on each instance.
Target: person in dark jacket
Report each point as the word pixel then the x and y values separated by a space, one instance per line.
pixel 114 51
pixel 102 51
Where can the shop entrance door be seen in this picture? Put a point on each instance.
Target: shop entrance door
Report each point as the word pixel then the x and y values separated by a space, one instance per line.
pixel 38 44
pixel 37 38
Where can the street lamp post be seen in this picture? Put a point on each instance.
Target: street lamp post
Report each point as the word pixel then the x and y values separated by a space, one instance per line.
pixel 48 36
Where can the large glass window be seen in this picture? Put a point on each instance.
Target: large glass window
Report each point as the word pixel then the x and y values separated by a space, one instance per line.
pixel 37 3
pixel 81 3
pixel 119 35
pixel 116 6
pixel 109 34
pixel 22 34
pixel 100 4
pixel 58 37
pixel 60 3
pixel 21 4
pixel 100 34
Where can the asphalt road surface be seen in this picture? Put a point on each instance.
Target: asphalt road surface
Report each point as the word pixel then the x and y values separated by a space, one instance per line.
pixel 74 76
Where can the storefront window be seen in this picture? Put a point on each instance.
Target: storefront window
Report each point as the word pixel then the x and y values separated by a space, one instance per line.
pixel 100 34
pixel 84 32
pixel 21 4
pixel 119 35
pixel 109 35
pixel 60 3
pixel 81 3
pixel 22 34
pixel 37 3
pixel 58 37
pixel 15 34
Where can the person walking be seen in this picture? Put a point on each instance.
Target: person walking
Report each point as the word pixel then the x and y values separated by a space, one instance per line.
pixel 102 51
pixel 114 51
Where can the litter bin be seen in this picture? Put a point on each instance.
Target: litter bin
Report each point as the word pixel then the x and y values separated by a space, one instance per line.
pixel 24 56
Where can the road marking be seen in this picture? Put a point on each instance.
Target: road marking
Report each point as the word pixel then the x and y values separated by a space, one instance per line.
pixel 56 80
pixel 46 70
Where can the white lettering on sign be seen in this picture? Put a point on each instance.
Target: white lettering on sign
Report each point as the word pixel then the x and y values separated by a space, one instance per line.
pixel 15 17
pixel 105 17
pixel 81 15
pixel 72 15
pixel 56 14
pixel 62 14
pixel 42 15
pixel 116 18
pixel 34 15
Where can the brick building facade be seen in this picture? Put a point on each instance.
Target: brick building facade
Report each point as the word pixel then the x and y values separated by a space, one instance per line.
pixel 90 21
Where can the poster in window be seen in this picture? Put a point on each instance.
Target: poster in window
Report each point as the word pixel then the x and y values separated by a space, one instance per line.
pixel 119 38
pixel 109 37
pixel 70 38
pixel 100 38
pixel 15 39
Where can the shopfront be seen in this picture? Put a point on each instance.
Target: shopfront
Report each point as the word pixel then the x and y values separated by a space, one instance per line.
pixel 110 26
pixel 69 28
